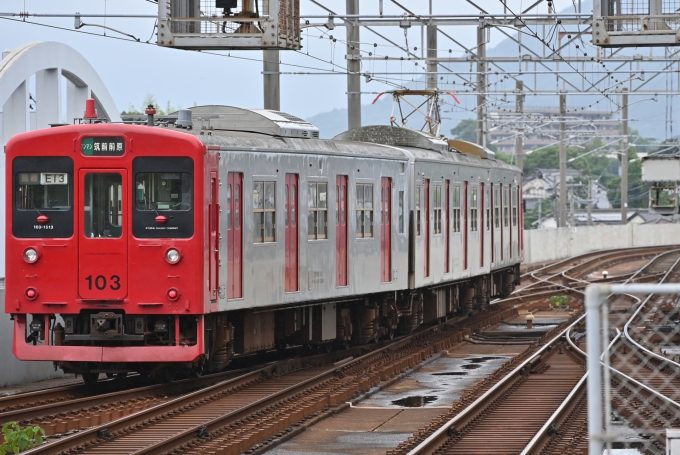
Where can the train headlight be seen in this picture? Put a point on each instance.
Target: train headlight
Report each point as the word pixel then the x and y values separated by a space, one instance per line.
pixel 30 255
pixel 172 256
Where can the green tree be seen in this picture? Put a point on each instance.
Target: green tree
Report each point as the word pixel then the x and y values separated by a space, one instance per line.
pixel 466 130
pixel 151 99
pixel 531 216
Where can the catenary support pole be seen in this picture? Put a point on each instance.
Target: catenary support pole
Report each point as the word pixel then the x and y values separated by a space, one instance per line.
pixel 563 163
pixel 481 83
pixel 353 67
pixel 272 80
pixel 432 61
pixel 624 157
pixel 519 139
pixel 590 202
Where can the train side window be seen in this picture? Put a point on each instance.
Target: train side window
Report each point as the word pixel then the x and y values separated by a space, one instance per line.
pixel 364 210
pixel 455 202
pixel 285 211
pixel 264 208
pixel 506 212
pixel 417 210
pixel 496 210
pixel 514 208
pixel 488 209
pixel 342 206
pixel 401 212
pixel 237 204
pixel 474 204
pixel 437 209
pixel 293 214
pixel 317 203
pixel 229 206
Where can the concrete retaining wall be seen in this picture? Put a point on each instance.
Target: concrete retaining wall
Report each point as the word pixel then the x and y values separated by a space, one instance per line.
pixel 13 371
pixel 542 245
pixel 539 246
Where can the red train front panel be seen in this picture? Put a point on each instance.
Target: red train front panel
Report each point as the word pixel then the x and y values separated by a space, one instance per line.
pixel 106 230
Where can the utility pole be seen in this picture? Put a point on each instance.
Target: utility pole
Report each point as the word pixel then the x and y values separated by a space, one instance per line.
pixel 624 157
pixel 353 68
pixel 271 80
pixel 481 83
pixel 563 163
pixel 431 55
pixel 590 202
pixel 519 139
pixel 572 223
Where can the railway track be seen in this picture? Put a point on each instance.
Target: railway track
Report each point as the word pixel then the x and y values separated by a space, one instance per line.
pixel 252 408
pixel 261 406
pixel 553 406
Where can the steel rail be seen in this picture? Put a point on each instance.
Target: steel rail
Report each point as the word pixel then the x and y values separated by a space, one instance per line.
pixel 436 439
pixel 439 437
pixel 94 433
pixel 32 411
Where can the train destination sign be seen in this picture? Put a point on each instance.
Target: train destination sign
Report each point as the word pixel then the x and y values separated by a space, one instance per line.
pixel 103 146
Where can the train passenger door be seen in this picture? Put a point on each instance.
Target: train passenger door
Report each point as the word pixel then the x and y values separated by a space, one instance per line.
pixel 386 229
pixel 341 230
pixel 427 227
pixel 291 217
pixel 213 237
pixel 102 264
pixel 235 235
pixel 447 229
pixel 466 227
pixel 491 224
pixel 502 220
pixel 481 225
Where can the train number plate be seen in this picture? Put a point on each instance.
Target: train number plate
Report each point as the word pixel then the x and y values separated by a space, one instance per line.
pixel 53 178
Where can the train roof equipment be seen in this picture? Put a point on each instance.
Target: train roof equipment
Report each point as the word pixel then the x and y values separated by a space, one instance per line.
pixel 432 119
pixel 230 118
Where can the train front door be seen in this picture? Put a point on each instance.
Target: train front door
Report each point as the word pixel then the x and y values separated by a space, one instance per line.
pixel 234 235
pixel 102 267
pixel 291 227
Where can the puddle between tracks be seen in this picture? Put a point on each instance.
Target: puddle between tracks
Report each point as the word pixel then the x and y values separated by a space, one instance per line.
pixel 415 401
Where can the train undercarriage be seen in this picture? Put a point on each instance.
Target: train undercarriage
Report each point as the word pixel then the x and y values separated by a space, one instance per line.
pixel 315 325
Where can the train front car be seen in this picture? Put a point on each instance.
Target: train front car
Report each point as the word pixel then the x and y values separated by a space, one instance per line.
pixel 105 248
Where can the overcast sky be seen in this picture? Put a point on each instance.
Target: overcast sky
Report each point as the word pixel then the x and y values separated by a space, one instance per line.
pixel 131 70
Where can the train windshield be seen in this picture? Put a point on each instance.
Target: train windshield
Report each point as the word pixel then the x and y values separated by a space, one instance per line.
pixel 163 191
pixel 42 191
pixel 163 197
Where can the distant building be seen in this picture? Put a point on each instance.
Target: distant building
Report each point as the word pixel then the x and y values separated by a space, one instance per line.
pixel 542 127
pixel 602 218
pixel 545 183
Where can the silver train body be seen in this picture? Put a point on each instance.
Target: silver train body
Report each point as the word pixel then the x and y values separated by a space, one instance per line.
pixel 427 280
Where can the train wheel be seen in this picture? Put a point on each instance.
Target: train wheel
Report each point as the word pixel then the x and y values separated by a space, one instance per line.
pixel 169 375
pixel 90 378
pixel 197 371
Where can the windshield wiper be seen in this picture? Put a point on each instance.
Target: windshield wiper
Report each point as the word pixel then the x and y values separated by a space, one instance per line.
pixel 26 196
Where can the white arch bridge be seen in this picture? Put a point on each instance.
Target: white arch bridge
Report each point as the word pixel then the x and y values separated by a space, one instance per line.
pixel 50 63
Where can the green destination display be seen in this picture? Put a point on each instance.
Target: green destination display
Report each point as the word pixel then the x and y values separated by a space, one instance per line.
pixel 103 146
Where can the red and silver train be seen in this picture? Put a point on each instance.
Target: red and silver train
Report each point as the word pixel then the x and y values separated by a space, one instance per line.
pixel 225 231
